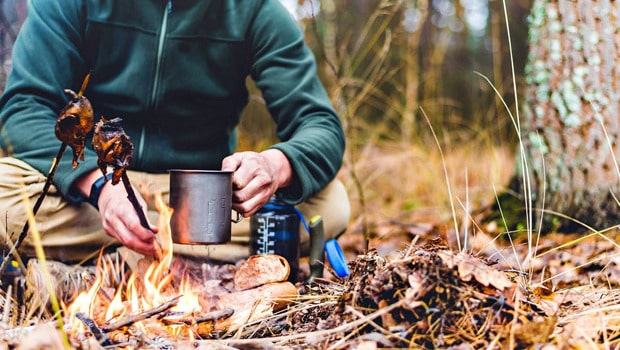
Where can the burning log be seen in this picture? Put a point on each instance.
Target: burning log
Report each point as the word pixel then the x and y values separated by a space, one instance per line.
pixel 114 148
pixel 108 335
pixel 260 288
pixel 204 311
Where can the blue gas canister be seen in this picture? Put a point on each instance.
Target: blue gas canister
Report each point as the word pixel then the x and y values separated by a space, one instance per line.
pixel 275 230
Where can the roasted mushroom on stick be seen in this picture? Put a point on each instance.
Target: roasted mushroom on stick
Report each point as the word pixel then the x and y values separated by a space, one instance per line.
pixel 115 149
pixel 74 122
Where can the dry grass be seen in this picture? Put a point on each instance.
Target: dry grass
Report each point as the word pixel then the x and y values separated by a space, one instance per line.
pixel 397 179
pixel 569 281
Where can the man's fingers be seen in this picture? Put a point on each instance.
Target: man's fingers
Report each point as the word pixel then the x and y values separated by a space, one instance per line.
pixel 232 162
pixel 254 181
pixel 249 207
pixel 252 198
pixel 141 242
pixel 128 230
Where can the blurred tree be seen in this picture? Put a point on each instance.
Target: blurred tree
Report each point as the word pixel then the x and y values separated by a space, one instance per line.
pixel 406 54
pixel 12 14
pixel 570 130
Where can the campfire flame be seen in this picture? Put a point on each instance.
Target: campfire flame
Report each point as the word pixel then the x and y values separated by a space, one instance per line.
pixel 140 292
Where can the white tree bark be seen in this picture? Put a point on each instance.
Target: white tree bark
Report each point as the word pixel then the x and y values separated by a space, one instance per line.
pixel 570 116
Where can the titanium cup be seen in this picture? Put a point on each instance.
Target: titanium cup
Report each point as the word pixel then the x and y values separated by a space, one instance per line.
pixel 202 204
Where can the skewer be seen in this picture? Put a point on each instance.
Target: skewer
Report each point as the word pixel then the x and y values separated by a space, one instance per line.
pixel 131 319
pixel 114 148
pixel 134 201
pixel 74 121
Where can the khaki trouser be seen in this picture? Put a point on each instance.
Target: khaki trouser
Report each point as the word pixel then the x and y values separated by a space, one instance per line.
pixel 72 232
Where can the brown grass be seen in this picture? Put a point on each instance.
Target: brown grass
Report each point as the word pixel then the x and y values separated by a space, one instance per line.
pixel 400 178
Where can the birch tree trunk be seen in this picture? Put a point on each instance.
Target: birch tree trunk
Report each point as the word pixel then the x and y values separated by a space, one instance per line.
pixel 571 126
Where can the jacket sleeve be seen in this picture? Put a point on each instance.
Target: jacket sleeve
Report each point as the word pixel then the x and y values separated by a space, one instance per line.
pixel 46 61
pixel 285 70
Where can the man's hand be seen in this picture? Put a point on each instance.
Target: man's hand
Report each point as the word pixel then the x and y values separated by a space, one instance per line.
pixel 119 217
pixel 256 178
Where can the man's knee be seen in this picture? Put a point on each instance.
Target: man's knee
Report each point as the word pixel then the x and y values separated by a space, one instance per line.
pixel 17 180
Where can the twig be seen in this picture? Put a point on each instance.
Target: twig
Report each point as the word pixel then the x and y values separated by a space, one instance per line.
pixel 344 328
pixel 101 337
pixel 215 315
pixel 131 319
pixel 35 208
pixel 208 317
pixel 134 201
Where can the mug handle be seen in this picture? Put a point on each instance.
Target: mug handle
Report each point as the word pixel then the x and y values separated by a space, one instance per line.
pixel 238 219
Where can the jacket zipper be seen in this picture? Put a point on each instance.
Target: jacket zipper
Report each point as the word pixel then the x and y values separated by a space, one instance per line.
pixel 160 48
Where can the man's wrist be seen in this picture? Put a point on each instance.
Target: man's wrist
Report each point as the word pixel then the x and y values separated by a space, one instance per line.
pixel 282 165
pixel 95 190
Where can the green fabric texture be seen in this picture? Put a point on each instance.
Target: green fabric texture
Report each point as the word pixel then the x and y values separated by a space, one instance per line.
pixel 175 72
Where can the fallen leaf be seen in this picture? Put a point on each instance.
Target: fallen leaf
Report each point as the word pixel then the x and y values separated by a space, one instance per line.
pixel 470 267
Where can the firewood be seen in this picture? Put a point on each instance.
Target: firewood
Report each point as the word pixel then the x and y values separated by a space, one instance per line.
pixel 258 270
pixel 250 304
pixel 201 324
pixel 278 295
pixel 131 319
pixel 102 338
pixel 262 310
pixel 196 319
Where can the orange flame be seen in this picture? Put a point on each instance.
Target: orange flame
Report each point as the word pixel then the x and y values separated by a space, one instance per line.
pixel 139 292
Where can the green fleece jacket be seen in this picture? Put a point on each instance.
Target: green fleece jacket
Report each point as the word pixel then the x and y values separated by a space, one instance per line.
pixel 175 72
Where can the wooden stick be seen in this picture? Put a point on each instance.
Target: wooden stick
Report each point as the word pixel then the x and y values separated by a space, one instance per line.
pixel 46 187
pixel 84 85
pixel 101 337
pixel 35 208
pixel 215 315
pixel 131 319
pixel 191 319
pixel 134 201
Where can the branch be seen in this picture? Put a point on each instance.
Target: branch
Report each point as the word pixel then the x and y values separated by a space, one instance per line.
pixel 131 319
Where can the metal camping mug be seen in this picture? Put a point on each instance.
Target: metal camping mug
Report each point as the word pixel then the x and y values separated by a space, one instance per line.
pixel 202 204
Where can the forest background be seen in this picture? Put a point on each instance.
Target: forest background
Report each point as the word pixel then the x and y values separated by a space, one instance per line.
pixel 424 89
